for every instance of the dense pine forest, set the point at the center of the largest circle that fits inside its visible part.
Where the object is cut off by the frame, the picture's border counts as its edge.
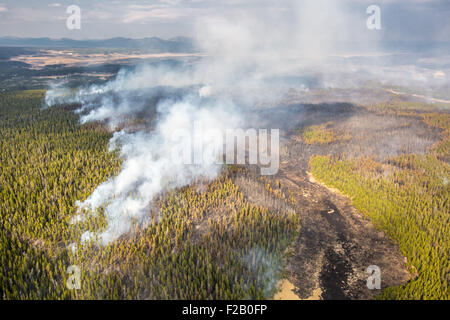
(206, 241)
(202, 243)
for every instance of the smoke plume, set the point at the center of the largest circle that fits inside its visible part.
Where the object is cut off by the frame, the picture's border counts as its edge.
(247, 57)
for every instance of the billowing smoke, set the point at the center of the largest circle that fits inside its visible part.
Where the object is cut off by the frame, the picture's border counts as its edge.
(186, 121)
(244, 55)
(242, 52)
(153, 162)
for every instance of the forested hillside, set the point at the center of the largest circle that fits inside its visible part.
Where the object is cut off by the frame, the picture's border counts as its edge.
(201, 243)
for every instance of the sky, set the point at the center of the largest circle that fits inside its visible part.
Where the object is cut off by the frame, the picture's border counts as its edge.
(402, 20)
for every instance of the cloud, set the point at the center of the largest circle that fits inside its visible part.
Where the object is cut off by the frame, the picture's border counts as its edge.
(401, 20)
(143, 14)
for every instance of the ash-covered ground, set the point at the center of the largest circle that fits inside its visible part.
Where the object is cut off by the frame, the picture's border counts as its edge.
(336, 243)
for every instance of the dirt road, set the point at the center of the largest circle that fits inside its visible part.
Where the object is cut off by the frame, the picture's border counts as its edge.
(336, 245)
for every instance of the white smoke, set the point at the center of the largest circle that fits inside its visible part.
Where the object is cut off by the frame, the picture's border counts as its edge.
(242, 51)
(150, 165)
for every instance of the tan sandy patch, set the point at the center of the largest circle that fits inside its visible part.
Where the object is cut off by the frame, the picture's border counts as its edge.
(52, 57)
(287, 292)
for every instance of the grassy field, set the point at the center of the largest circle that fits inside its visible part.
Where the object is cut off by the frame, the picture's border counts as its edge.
(322, 134)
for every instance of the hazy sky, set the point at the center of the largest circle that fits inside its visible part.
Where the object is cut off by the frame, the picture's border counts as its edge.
(401, 19)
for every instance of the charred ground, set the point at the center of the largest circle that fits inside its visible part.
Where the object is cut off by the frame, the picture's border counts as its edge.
(235, 237)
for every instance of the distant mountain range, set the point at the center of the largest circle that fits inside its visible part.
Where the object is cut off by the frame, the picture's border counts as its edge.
(186, 45)
(178, 44)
